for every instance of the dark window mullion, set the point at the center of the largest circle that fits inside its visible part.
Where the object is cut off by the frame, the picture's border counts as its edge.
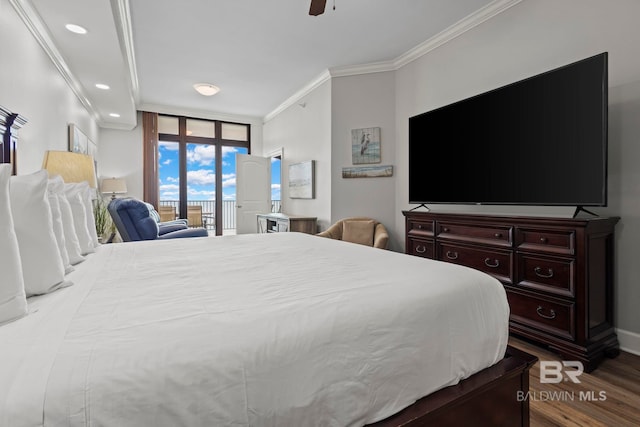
(182, 170)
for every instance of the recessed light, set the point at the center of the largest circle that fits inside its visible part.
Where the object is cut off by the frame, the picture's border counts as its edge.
(206, 89)
(114, 115)
(102, 86)
(76, 29)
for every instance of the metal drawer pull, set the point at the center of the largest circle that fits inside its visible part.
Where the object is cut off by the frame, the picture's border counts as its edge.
(498, 235)
(452, 255)
(421, 249)
(543, 239)
(487, 262)
(539, 273)
(419, 226)
(552, 314)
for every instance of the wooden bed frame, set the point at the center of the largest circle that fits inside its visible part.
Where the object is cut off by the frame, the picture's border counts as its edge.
(9, 125)
(488, 398)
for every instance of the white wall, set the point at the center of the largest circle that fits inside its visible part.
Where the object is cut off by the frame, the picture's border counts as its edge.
(31, 86)
(305, 134)
(114, 163)
(360, 102)
(529, 38)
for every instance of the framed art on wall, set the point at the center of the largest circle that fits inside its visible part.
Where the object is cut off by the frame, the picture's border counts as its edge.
(301, 180)
(78, 141)
(367, 171)
(365, 145)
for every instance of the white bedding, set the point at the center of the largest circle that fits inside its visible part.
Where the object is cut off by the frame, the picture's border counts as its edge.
(281, 329)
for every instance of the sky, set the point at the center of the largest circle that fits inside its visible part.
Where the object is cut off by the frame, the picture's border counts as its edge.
(201, 172)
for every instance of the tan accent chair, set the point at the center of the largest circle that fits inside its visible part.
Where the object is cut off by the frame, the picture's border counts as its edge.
(379, 239)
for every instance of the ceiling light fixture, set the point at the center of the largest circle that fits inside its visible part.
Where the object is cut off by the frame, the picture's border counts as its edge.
(76, 29)
(206, 89)
(102, 86)
(114, 115)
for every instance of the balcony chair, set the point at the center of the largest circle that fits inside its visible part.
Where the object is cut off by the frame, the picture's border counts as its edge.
(135, 222)
(165, 227)
(362, 230)
(167, 213)
(194, 215)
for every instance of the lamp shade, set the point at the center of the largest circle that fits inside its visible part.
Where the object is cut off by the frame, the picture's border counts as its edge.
(113, 186)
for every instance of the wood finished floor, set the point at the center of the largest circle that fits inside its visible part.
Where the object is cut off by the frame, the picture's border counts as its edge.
(618, 378)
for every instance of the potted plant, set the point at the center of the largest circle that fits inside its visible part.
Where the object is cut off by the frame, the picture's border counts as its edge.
(102, 218)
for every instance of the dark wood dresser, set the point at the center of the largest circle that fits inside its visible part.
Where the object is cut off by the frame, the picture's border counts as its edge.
(558, 273)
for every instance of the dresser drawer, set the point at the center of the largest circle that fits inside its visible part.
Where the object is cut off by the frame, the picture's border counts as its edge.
(422, 248)
(496, 262)
(419, 228)
(546, 314)
(544, 240)
(493, 235)
(553, 275)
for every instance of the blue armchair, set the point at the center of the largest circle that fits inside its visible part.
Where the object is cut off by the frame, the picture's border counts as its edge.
(135, 222)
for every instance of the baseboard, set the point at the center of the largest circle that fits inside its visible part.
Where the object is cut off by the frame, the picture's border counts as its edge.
(629, 341)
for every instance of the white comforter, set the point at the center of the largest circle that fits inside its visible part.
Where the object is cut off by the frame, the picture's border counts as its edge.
(281, 329)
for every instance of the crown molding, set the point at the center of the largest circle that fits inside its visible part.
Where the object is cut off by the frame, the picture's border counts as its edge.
(200, 114)
(353, 70)
(34, 23)
(462, 26)
(122, 18)
(293, 99)
(478, 17)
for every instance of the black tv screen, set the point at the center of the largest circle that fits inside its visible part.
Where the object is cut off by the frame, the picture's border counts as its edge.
(539, 141)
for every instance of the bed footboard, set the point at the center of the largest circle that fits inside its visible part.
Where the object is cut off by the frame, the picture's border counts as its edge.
(488, 398)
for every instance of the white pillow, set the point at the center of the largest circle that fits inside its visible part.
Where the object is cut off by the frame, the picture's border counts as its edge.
(58, 230)
(42, 267)
(75, 196)
(91, 220)
(13, 302)
(72, 245)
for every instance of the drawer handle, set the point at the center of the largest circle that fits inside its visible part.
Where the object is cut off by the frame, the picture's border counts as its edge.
(487, 262)
(551, 315)
(498, 235)
(419, 227)
(539, 273)
(421, 249)
(445, 230)
(452, 255)
(543, 239)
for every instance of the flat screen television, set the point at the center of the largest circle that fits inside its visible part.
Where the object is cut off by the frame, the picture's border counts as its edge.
(538, 141)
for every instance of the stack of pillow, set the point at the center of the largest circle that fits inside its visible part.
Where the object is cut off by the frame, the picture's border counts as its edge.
(46, 227)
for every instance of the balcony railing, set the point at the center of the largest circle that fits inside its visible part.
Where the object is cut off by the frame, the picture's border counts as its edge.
(209, 209)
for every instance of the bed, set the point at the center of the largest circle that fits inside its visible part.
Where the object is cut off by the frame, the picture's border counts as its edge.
(270, 329)
(282, 329)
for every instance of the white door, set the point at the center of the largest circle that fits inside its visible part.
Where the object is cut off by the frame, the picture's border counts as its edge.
(253, 191)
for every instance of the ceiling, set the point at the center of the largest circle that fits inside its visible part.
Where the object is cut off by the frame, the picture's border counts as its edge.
(260, 53)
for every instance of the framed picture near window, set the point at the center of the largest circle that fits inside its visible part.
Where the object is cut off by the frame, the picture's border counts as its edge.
(365, 146)
(302, 180)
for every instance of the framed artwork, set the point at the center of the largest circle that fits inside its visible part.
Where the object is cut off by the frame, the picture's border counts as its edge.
(301, 180)
(365, 146)
(367, 172)
(78, 141)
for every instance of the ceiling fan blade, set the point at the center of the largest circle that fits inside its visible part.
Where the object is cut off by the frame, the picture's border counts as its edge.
(317, 7)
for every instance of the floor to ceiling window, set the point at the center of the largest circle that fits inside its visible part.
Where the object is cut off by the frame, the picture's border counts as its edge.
(196, 170)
